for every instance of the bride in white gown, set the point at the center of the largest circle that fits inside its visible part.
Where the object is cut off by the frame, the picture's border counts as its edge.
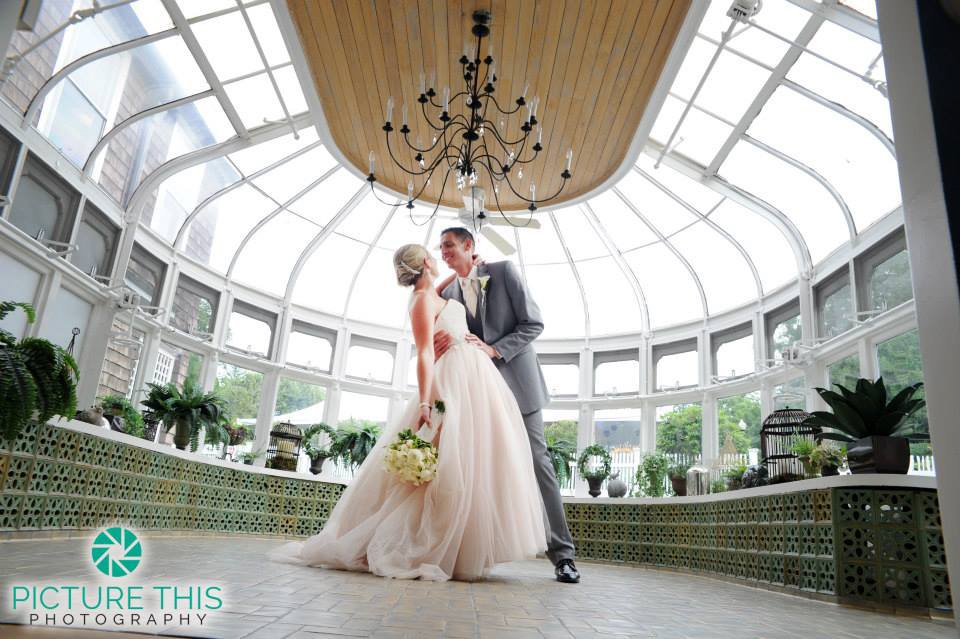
(483, 507)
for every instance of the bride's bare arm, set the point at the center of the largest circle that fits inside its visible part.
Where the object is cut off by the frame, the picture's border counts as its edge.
(421, 320)
(447, 281)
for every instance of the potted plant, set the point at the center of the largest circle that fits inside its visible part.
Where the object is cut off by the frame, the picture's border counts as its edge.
(118, 406)
(803, 448)
(250, 456)
(316, 452)
(718, 486)
(652, 474)
(828, 457)
(188, 410)
(734, 476)
(677, 472)
(38, 379)
(353, 441)
(875, 429)
(592, 470)
(561, 452)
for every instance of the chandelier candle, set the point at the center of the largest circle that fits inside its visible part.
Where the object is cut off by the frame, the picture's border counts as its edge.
(470, 136)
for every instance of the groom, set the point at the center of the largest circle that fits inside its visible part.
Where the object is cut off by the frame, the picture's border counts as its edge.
(503, 321)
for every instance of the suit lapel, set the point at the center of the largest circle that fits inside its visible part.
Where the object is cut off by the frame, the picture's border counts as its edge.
(458, 292)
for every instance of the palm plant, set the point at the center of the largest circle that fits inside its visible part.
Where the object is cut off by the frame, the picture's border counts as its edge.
(866, 412)
(353, 443)
(36, 375)
(189, 410)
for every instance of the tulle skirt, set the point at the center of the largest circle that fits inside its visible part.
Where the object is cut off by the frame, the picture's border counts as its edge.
(483, 507)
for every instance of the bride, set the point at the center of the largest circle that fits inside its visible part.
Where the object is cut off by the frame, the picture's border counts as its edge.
(483, 507)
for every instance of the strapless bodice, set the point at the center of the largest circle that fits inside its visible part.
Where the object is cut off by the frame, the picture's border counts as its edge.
(452, 318)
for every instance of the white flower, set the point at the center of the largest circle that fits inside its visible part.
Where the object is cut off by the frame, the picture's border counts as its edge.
(483, 282)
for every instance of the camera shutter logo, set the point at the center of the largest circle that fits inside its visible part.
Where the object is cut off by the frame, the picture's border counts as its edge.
(116, 551)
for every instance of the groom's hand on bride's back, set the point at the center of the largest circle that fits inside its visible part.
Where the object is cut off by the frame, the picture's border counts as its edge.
(441, 343)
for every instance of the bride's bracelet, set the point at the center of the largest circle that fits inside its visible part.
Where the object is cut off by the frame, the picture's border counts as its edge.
(427, 404)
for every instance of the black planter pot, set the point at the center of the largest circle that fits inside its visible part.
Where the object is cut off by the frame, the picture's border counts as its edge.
(889, 455)
(679, 486)
(316, 465)
(596, 483)
(829, 471)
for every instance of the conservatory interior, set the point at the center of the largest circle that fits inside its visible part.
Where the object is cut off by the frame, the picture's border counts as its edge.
(202, 336)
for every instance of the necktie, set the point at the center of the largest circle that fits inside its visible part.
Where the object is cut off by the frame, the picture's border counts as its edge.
(468, 285)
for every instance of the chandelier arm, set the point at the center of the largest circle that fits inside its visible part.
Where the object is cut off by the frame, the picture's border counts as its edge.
(398, 164)
(496, 198)
(440, 106)
(543, 199)
(428, 149)
(374, 191)
(490, 96)
(504, 143)
(426, 117)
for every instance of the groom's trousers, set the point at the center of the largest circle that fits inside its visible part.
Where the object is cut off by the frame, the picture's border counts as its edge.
(559, 542)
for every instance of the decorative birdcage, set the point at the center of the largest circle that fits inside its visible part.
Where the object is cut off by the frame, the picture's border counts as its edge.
(284, 449)
(777, 435)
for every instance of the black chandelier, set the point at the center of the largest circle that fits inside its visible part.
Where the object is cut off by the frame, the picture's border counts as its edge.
(465, 145)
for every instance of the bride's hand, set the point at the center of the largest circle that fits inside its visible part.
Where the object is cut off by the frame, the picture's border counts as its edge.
(477, 260)
(424, 418)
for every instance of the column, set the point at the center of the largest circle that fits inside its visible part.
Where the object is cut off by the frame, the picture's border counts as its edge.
(921, 44)
(268, 398)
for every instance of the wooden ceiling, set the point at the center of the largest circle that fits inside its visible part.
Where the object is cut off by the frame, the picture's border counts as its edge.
(593, 63)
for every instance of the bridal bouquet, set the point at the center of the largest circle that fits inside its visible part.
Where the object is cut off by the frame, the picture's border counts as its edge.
(411, 459)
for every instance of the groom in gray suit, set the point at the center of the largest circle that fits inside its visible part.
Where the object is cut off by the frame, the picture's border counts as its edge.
(504, 320)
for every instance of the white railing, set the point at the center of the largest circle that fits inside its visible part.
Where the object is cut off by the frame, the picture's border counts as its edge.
(922, 465)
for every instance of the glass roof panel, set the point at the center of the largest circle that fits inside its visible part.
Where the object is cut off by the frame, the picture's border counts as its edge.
(581, 239)
(402, 230)
(764, 243)
(843, 88)
(365, 221)
(292, 92)
(325, 200)
(696, 194)
(613, 307)
(255, 100)
(857, 164)
(326, 275)
(268, 34)
(105, 29)
(230, 217)
(261, 155)
(731, 86)
(555, 291)
(798, 196)
(845, 47)
(726, 277)
(269, 256)
(178, 195)
(620, 223)
(194, 8)
(228, 45)
(288, 179)
(671, 293)
(699, 137)
(376, 296)
(866, 7)
(656, 207)
(541, 246)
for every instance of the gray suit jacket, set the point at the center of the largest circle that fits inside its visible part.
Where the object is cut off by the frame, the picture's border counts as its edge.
(511, 321)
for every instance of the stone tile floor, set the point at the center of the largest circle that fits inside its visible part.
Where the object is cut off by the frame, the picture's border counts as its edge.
(265, 600)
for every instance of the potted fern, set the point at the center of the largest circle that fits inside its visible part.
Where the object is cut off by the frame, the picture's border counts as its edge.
(353, 442)
(677, 472)
(315, 451)
(188, 410)
(561, 452)
(131, 422)
(38, 379)
(875, 429)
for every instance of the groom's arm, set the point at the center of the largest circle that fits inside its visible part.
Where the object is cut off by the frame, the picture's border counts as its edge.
(529, 322)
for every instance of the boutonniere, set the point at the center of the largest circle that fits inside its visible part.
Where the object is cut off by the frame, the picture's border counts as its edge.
(483, 282)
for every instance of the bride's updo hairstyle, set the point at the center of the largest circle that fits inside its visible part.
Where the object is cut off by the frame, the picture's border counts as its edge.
(408, 263)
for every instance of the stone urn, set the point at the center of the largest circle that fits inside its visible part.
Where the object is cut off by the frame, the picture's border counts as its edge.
(316, 464)
(879, 454)
(616, 487)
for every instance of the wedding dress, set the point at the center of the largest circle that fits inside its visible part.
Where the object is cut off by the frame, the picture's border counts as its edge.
(483, 507)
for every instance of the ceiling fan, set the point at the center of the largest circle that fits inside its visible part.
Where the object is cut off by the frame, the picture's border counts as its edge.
(474, 216)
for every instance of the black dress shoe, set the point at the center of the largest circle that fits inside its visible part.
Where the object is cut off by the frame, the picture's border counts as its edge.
(567, 572)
